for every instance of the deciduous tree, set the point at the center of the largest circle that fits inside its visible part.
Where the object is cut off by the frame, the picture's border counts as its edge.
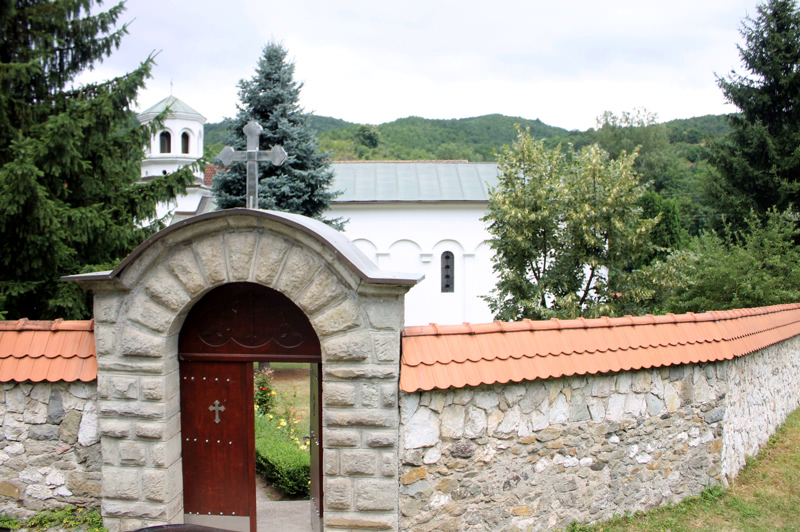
(566, 229)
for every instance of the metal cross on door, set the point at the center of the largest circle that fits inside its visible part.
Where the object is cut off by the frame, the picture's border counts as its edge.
(217, 441)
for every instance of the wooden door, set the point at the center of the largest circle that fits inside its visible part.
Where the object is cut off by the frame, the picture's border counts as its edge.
(218, 444)
(315, 447)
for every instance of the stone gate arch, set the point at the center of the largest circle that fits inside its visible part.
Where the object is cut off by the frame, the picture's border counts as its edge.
(355, 309)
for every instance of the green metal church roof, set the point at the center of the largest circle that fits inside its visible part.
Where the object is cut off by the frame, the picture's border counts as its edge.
(413, 181)
(174, 104)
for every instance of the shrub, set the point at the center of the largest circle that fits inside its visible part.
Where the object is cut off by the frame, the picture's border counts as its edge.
(264, 395)
(281, 457)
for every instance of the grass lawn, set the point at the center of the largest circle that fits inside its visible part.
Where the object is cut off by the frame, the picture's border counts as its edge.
(765, 497)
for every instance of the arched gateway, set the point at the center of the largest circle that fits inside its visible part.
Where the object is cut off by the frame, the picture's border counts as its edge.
(202, 300)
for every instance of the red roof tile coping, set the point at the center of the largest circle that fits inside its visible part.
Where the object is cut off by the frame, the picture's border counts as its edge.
(52, 351)
(443, 356)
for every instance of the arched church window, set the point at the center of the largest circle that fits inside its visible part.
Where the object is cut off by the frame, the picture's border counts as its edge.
(448, 278)
(166, 142)
(184, 142)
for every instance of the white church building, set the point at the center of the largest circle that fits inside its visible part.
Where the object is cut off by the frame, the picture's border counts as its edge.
(406, 216)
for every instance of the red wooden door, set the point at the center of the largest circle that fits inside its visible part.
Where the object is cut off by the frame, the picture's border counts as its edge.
(218, 444)
(315, 428)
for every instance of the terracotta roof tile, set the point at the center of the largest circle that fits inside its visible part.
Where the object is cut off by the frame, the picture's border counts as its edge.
(47, 351)
(444, 356)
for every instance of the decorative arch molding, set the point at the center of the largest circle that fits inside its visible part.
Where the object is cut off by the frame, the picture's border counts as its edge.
(355, 311)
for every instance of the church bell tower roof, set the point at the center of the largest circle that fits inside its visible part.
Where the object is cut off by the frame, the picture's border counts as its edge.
(177, 108)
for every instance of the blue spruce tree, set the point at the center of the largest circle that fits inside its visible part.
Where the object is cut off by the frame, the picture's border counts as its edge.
(301, 184)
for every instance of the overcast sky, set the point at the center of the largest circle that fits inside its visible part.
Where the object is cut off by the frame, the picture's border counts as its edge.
(369, 61)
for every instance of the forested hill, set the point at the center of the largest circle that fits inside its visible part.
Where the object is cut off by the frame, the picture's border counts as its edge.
(474, 139)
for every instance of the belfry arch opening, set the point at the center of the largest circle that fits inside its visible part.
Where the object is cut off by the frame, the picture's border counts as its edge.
(233, 327)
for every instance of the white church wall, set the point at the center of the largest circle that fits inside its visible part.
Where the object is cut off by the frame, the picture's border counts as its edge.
(406, 236)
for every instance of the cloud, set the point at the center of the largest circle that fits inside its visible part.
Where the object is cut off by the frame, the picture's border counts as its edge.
(373, 62)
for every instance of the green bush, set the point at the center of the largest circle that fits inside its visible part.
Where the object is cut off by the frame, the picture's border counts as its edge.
(281, 460)
(69, 517)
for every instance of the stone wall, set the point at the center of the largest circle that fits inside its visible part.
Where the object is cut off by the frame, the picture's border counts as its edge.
(537, 455)
(49, 447)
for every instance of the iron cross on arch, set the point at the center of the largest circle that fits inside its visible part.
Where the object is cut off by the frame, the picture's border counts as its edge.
(276, 155)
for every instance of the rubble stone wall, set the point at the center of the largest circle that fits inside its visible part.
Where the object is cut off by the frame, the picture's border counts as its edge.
(541, 454)
(49, 447)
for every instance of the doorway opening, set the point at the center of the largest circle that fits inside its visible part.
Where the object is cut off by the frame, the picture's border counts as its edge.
(225, 336)
(284, 397)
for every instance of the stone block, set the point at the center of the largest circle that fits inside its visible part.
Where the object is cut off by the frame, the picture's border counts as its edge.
(241, 251)
(340, 438)
(210, 253)
(115, 429)
(338, 394)
(356, 521)
(132, 409)
(330, 462)
(452, 421)
(105, 337)
(83, 390)
(389, 395)
(41, 392)
(358, 462)
(88, 431)
(165, 289)
(122, 387)
(43, 432)
(269, 258)
(35, 412)
(15, 400)
(131, 453)
(474, 423)
(70, 425)
(422, 430)
(106, 306)
(298, 270)
(384, 312)
(14, 429)
(146, 312)
(151, 431)
(360, 417)
(343, 317)
(486, 399)
(184, 265)
(338, 494)
(12, 490)
(380, 439)
(369, 396)
(641, 381)
(152, 388)
(121, 483)
(387, 346)
(654, 404)
(140, 510)
(376, 495)
(323, 291)
(154, 484)
(349, 348)
(137, 342)
(361, 371)
(389, 464)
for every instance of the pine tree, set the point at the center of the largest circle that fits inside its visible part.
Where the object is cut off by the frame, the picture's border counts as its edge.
(301, 184)
(759, 162)
(69, 157)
